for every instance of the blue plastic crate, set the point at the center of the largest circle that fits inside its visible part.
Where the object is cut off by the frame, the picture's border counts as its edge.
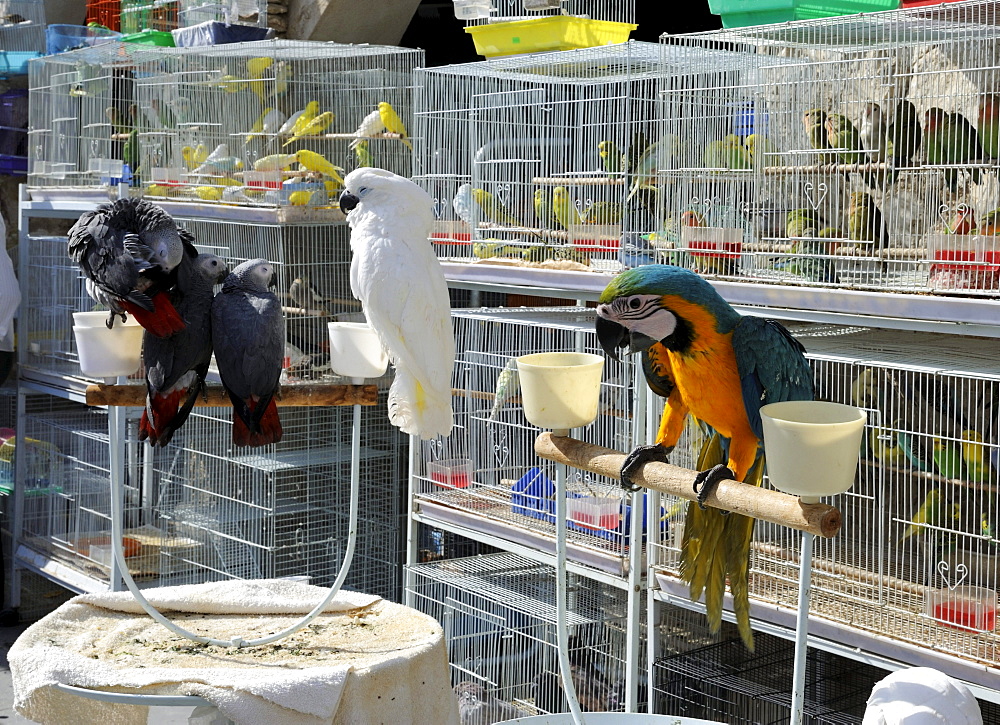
(15, 62)
(60, 38)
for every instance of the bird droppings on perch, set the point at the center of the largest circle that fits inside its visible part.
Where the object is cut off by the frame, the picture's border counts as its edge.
(760, 503)
(215, 395)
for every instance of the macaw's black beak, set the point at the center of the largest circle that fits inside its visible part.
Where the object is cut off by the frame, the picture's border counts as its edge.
(348, 201)
(611, 335)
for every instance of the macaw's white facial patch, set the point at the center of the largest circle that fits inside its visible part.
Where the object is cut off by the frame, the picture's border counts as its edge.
(641, 313)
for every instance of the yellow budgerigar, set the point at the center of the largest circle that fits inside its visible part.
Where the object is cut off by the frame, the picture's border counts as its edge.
(562, 206)
(257, 66)
(393, 123)
(300, 197)
(493, 209)
(314, 128)
(208, 193)
(298, 120)
(319, 163)
(194, 157)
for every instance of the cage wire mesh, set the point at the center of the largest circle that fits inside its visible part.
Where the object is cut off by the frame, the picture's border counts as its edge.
(241, 12)
(106, 13)
(22, 34)
(858, 151)
(618, 11)
(498, 613)
(724, 681)
(209, 126)
(547, 156)
(486, 473)
(917, 559)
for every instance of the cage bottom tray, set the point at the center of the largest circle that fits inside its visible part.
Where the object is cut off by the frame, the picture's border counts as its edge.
(260, 214)
(498, 520)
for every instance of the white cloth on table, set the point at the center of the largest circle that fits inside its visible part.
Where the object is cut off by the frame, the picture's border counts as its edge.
(106, 641)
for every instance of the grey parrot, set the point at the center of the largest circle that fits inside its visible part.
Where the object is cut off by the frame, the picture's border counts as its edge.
(176, 365)
(248, 334)
(127, 251)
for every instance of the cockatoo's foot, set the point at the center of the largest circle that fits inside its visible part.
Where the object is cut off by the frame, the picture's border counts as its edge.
(705, 481)
(637, 458)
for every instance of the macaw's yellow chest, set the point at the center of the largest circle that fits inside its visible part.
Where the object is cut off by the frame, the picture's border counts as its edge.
(709, 385)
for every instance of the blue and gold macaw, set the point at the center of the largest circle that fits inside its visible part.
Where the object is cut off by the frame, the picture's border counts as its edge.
(707, 360)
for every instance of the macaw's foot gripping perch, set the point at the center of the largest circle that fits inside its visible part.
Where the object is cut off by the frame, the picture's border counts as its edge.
(638, 458)
(705, 481)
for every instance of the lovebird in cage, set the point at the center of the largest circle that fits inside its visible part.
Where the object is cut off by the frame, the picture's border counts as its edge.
(721, 367)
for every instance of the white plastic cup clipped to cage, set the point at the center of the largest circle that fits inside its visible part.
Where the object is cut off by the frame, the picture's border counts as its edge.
(103, 352)
(560, 390)
(812, 447)
(472, 9)
(355, 351)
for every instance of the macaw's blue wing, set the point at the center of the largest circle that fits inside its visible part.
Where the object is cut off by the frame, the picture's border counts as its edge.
(656, 368)
(771, 365)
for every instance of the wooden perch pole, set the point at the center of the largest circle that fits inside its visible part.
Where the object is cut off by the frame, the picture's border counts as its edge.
(760, 503)
(312, 394)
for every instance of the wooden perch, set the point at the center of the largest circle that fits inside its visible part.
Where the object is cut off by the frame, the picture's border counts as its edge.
(578, 181)
(760, 503)
(307, 394)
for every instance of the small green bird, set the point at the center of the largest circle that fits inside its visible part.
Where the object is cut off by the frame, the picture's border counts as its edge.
(543, 210)
(603, 212)
(864, 221)
(974, 455)
(492, 209)
(612, 160)
(948, 460)
(930, 513)
(564, 209)
(761, 151)
(814, 122)
(949, 138)
(797, 221)
(363, 154)
(727, 153)
(844, 136)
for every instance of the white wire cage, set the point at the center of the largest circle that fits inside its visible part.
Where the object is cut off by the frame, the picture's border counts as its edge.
(209, 126)
(916, 560)
(486, 475)
(241, 12)
(22, 34)
(545, 157)
(872, 163)
(498, 614)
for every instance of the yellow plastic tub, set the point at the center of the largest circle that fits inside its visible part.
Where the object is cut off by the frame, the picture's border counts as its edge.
(555, 32)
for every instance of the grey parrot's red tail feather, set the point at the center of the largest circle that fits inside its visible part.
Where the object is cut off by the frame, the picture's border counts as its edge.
(262, 426)
(164, 414)
(162, 321)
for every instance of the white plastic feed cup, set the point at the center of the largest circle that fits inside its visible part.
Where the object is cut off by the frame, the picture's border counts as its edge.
(355, 351)
(812, 447)
(108, 353)
(560, 390)
(98, 319)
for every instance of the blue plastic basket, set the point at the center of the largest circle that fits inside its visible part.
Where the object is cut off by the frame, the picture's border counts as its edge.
(60, 38)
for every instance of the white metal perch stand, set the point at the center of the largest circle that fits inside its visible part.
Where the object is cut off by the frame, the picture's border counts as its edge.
(355, 353)
(812, 450)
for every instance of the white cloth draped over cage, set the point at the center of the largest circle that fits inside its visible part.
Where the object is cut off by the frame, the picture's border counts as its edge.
(363, 660)
(10, 293)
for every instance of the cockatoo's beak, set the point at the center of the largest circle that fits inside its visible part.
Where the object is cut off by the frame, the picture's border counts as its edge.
(348, 201)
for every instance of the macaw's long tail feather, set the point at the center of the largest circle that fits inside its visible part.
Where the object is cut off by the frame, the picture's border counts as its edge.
(163, 321)
(157, 422)
(258, 430)
(417, 409)
(716, 548)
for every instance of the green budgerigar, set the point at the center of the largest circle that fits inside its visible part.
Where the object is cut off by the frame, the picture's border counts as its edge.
(492, 209)
(761, 150)
(949, 139)
(934, 511)
(948, 459)
(508, 385)
(603, 212)
(564, 208)
(974, 456)
(543, 210)
(612, 160)
(726, 153)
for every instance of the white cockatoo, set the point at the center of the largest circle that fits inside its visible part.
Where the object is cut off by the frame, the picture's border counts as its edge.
(921, 696)
(404, 295)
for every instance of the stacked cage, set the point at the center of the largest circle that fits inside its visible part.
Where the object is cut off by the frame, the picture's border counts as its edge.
(486, 476)
(266, 124)
(864, 149)
(498, 615)
(916, 562)
(548, 157)
(242, 12)
(22, 35)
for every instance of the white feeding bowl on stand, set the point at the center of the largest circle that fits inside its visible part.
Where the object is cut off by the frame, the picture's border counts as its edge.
(812, 447)
(107, 353)
(559, 390)
(355, 351)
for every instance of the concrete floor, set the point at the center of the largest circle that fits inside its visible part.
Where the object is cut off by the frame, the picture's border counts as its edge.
(157, 715)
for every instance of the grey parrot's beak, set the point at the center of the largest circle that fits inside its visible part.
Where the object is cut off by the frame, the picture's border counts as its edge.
(348, 201)
(611, 335)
